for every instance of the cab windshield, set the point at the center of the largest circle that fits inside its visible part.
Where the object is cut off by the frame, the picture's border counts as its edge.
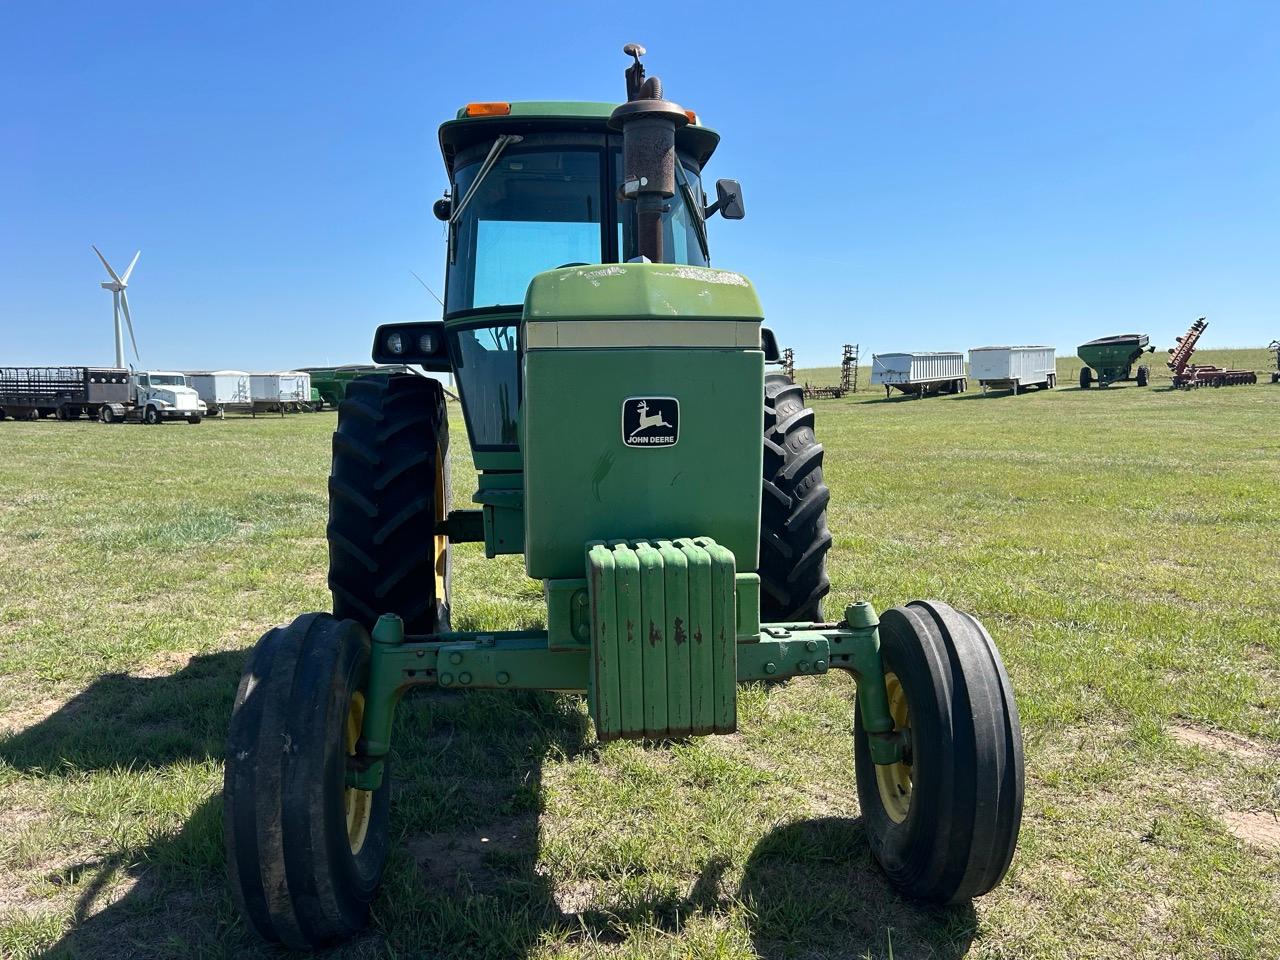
(166, 380)
(538, 208)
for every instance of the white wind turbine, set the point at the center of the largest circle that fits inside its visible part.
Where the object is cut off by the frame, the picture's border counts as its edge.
(117, 285)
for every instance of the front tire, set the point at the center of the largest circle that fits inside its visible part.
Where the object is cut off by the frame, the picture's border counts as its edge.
(151, 416)
(305, 853)
(943, 823)
(388, 492)
(794, 539)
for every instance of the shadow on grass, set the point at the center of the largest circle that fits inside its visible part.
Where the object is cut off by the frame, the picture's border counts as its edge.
(463, 879)
(813, 889)
(122, 720)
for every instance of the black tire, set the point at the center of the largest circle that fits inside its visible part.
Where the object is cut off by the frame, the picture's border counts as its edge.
(963, 803)
(195, 419)
(106, 415)
(794, 538)
(151, 416)
(296, 872)
(1143, 375)
(388, 488)
(1086, 378)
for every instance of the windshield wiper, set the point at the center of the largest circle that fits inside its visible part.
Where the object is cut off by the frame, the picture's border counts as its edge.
(494, 152)
(695, 210)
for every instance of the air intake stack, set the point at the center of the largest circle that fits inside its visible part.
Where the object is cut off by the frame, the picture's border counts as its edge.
(648, 124)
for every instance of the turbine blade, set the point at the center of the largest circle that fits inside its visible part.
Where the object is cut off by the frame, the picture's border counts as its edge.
(124, 302)
(107, 265)
(132, 263)
(428, 289)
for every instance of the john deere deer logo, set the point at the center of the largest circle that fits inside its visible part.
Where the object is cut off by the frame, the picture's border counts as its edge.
(650, 421)
(647, 421)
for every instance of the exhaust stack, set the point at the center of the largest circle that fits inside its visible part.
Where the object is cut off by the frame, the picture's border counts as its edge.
(648, 124)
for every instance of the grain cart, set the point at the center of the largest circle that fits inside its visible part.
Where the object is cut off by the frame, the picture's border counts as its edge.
(27, 393)
(668, 494)
(330, 383)
(1111, 359)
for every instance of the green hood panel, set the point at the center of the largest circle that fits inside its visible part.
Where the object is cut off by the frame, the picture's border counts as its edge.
(641, 291)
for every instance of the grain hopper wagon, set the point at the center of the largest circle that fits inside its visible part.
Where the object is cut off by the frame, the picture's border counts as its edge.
(667, 495)
(330, 383)
(1110, 360)
(27, 393)
(1013, 368)
(222, 390)
(284, 391)
(919, 374)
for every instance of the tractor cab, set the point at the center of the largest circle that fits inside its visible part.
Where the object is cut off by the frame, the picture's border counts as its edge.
(534, 186)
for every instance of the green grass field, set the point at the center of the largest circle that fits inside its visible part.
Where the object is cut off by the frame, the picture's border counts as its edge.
(1122, 548)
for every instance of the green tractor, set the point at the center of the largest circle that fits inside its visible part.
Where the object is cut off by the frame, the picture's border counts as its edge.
(666, 492)
(1112, 359)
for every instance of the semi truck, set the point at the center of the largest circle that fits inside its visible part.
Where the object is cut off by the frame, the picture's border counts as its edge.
(108, 394)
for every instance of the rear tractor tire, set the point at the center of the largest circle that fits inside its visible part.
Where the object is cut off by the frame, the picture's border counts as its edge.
(305, 852)
(388, 492)
(794, 539)
(943, 822)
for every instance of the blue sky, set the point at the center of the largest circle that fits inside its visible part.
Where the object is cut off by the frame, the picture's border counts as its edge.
(917, 176)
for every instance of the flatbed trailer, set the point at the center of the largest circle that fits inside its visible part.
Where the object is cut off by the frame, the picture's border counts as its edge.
(67, 392)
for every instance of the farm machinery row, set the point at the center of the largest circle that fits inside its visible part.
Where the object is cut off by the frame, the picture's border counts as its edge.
(666, 491)
(1187, 375)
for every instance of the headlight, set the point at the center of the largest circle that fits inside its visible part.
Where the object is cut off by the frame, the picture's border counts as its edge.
(427, 344)
(395, 343)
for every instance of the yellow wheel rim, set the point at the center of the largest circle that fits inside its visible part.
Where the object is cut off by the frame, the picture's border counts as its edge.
(358, 803)
(441, 541)
(894, 779)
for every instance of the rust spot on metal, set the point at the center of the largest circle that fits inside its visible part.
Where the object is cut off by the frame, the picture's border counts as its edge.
(655, 635)
(680, 634)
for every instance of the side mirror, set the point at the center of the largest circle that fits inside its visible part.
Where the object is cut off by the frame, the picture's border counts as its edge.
(442, 208)
(728, 201)
(420, 343)
(769, 344)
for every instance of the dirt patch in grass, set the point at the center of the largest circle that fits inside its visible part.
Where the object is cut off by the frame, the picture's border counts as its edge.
(474, 857)
(1240, 747)
(1256, 829)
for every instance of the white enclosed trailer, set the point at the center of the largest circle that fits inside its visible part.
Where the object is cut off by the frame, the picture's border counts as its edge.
(281, 391)
(1014, 368)
(919, 373)
(222, 389)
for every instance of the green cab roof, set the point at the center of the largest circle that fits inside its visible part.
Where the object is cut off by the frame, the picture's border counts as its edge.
(564, 116)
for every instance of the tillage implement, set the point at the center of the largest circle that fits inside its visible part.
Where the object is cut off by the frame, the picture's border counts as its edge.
(666, 491)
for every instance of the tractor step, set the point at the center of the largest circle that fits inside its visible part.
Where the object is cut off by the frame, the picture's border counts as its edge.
(663, 638)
